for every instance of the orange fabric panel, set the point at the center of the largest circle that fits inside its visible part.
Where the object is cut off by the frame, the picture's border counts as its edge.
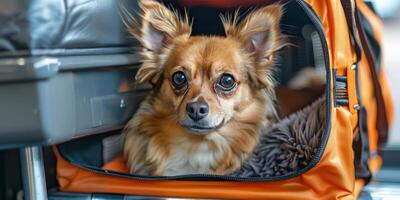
(377, 26)
(117, 164)
(368, 97)
(369, 101)
(367, 92)
(342, 54)
(332, 178)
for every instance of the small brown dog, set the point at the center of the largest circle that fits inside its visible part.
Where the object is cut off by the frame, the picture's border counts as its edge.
(212, 96)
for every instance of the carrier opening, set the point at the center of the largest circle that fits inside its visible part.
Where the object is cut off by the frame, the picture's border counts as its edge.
(302, 78)
(295, 142)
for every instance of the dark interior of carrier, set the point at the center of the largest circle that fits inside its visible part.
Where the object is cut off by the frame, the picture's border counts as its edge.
(308, 50)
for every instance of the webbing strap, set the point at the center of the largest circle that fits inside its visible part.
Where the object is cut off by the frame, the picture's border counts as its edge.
(353, 20)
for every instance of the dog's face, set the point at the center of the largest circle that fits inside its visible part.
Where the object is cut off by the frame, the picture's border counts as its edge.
(202, 83)
(206, 81)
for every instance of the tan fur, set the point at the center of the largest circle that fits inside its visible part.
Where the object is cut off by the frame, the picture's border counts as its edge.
(156, 143)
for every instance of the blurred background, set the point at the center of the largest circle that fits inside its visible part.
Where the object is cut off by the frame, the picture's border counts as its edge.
(389, 10)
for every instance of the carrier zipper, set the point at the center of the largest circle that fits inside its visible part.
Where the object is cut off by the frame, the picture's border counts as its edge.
(210, 177)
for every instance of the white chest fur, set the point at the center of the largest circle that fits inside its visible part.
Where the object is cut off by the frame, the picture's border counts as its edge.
(189, 158)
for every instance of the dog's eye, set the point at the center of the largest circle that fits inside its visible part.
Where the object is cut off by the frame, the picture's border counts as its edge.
(179, 79)
(226, 82)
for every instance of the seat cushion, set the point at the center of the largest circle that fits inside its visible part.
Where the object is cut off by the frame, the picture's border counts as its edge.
(63, 24)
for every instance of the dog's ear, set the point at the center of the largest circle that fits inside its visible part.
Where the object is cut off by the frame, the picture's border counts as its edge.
(260, 36)
(158, 29)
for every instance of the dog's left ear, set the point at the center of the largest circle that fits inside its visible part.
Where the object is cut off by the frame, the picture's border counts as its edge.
(158, 30)
(260, 36)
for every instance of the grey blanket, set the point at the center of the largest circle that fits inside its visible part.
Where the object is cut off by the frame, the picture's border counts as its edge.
(289, 145)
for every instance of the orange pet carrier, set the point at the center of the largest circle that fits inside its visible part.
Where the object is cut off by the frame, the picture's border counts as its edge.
(359, 113)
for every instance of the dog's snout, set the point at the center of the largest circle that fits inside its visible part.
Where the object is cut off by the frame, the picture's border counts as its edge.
(197, 110)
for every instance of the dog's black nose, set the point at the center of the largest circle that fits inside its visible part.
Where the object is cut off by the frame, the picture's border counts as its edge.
(197, 110)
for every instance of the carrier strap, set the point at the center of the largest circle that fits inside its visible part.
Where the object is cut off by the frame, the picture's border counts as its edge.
(353, 20)
(349, 8)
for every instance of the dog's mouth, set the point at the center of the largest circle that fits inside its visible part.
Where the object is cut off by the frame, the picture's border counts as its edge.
(198, 129)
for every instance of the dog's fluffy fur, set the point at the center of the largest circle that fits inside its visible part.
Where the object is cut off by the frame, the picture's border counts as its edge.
(156, 142)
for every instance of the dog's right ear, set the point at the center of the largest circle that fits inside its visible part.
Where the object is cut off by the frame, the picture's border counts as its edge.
(158, 30)
(261, 38)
